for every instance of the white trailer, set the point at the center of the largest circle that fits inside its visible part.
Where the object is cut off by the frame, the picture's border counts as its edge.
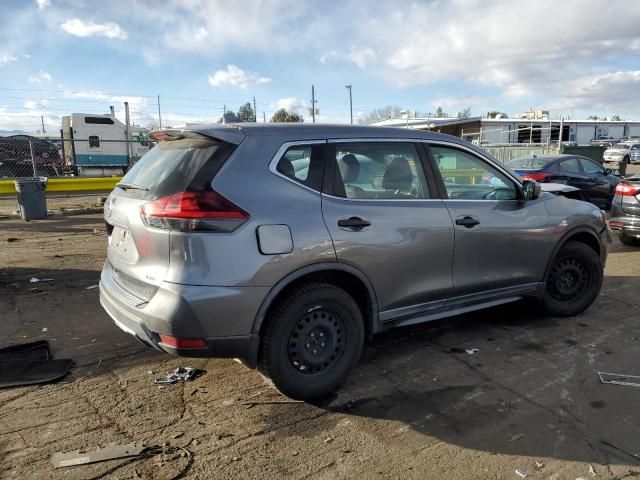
(98, 144)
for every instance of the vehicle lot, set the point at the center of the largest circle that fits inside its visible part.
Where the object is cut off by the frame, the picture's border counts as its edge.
(417, 406)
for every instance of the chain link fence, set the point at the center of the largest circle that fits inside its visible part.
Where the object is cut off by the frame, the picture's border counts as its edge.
(506, 152)
(28, 156)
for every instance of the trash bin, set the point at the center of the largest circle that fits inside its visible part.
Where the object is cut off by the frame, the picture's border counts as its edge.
(31, 197)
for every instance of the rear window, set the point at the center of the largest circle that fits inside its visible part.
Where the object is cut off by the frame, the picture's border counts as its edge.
(527, 163)
(174, 166)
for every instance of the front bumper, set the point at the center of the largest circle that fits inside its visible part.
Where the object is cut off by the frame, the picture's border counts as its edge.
(222, 316)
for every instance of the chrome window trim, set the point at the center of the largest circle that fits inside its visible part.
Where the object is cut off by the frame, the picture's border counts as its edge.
(384, 199)
(281, 151)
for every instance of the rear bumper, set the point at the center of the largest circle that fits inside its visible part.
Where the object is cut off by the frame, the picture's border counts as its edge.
(222, 316)
(626, 225)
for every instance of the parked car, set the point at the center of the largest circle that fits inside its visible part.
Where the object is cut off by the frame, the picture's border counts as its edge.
(589, 176)
(16, 156)
(288, 245)
(619, 156)
(625, 211)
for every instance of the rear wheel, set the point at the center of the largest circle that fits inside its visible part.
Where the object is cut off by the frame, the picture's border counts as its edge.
(573, 282)
(311, 341)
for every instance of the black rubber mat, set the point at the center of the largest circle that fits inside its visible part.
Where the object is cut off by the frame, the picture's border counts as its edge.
(29, 364)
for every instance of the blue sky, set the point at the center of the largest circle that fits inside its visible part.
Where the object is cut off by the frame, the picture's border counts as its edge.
(64, 56)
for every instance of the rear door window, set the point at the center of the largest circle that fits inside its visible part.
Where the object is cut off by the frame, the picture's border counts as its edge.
(591, 167)
(570, 165)
(379, 170)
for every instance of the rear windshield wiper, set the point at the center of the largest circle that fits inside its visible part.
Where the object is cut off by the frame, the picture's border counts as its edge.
(131, 186)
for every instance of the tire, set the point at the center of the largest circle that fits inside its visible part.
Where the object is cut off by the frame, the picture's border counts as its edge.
(292, 352)
(629, 241)
(573, 281)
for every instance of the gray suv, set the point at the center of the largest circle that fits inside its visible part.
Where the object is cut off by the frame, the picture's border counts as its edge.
(287, 245)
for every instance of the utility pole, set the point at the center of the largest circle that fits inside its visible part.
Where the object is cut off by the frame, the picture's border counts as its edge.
(313, 104)
(159, 116)
(224, 113)
(127, 130)
(255, 113)
(348, 87)
(42, 120)
(264, 117)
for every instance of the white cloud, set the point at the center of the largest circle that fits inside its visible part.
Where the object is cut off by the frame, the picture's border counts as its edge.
(329, 55)
(31, 104)
(6, 58)
(40, 77)
(235, 76)
(84, 28)
(362, 57)
(475, 102)
(42, 4)
(610, 92)
(291, 104)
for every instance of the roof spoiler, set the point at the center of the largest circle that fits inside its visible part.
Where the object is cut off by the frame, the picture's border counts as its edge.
(229, 134)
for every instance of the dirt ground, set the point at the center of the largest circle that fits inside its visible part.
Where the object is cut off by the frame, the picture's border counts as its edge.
(417, 406)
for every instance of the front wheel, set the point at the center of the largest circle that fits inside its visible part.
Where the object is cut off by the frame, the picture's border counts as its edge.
(573, 281)
(311, 341)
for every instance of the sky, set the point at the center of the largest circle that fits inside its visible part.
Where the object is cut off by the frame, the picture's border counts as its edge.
(571, 57)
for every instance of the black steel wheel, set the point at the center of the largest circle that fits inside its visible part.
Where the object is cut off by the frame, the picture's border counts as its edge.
(312, 338)
(573, 280)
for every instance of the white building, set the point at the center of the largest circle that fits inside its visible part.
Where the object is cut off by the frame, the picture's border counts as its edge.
(520, 130)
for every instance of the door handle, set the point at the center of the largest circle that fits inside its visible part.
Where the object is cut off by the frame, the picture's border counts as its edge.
(467, 221)
(353, 223)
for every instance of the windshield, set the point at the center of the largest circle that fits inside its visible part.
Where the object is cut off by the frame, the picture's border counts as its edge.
(527, 163)
(621, 146)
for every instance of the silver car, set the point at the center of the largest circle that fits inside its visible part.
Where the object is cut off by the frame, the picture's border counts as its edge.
(288, 245)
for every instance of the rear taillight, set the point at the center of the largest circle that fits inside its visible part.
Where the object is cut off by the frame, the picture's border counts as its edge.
(627, 190)
(182, 342)
(539, 177)
(193, 211)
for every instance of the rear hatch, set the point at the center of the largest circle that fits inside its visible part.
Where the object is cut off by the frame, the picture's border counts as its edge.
(169, 188)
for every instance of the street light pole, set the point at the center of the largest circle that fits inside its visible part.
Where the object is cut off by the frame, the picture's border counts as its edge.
(348, 87)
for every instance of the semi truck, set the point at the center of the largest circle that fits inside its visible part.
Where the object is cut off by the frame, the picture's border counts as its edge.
(99, 145)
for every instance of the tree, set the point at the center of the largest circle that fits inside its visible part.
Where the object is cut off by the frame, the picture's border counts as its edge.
(246, 113)
(593, 117)
(229, 117)
(496, 114)
(616, 118)
(380, 114)
(282, 116)
(466, 113)
(440, 113)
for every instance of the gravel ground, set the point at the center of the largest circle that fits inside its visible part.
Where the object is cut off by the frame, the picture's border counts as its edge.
(417, 406)
(57, 201)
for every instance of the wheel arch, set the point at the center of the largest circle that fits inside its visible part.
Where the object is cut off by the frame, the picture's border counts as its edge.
(341, 275)
(583, 235)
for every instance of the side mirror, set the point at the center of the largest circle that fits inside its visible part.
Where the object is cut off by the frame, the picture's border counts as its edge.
(530, 190)
(608, 171)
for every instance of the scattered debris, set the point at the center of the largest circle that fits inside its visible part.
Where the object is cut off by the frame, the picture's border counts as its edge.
(251, 404)
(539, 465)
(592, 471)
(91, 287)
(177, 435)
(328, 440)
(44, 329)
(180, 374)
(132, 451)
(294, 454)
(516, 437)
(521, 473)
(29, 364)
(36, 280)
(81, 457)
(618, 379)
(473, 350)
(236, 459)
(13, 239)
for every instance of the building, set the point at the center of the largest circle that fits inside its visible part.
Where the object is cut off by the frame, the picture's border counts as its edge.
(520, 130)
